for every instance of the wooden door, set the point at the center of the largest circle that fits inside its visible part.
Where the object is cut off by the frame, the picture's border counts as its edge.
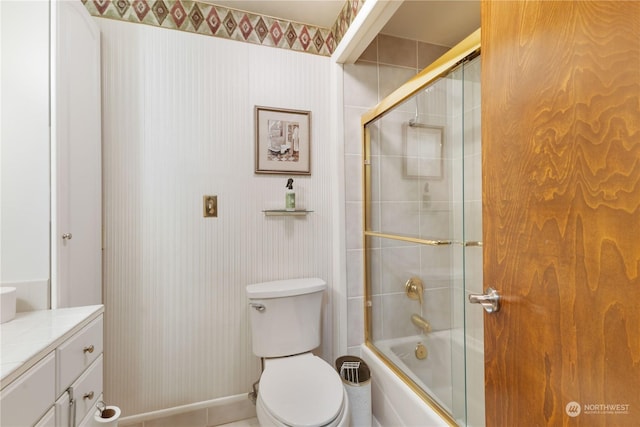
(561, 196)
(77, 136)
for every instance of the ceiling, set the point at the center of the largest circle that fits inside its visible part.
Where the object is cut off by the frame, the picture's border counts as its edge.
(441, 22)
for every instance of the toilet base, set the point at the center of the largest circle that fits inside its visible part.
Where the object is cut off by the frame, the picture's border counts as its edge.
(267, 420)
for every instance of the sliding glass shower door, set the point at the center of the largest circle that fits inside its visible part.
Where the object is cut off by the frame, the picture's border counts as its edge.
(423, 246)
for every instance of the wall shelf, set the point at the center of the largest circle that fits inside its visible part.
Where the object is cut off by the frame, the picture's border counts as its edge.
(283, 212)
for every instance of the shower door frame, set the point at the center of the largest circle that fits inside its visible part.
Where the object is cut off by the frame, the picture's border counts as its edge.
(469, 47)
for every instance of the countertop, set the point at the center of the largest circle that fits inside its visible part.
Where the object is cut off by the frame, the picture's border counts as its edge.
(33, 334)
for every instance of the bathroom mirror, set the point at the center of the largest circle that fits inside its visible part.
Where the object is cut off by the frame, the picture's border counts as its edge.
(25, 154)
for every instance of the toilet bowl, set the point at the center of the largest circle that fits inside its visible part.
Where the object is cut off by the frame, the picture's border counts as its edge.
(301, 390)
(296, 387)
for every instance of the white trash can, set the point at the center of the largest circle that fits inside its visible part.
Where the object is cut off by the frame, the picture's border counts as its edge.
(356, 377)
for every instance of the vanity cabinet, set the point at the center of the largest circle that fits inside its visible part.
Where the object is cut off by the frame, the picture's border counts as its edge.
(28, 398)
(49, 419)
(67, 364)
(87, 391)
(77, 354)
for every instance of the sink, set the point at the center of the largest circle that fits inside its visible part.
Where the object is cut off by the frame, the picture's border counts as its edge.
(7, 303)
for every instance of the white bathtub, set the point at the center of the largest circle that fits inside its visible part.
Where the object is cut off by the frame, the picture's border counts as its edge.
(432, 374)
(440, 375)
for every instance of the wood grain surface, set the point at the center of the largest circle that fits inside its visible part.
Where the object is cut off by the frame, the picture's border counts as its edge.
(561, 196)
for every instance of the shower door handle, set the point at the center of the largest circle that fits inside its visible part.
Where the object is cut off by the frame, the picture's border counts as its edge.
(490, 300)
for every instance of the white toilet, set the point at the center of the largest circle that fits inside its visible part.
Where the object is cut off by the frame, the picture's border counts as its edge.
(296, 388)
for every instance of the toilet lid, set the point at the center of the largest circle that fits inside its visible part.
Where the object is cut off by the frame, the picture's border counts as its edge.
(301, 390)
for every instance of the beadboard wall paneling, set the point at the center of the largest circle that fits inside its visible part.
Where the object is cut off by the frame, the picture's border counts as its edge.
(178, 124)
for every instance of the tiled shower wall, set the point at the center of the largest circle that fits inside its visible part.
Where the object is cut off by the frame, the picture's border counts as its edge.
(448, 208)
(384, 66)
(416, 203)
(178, 124)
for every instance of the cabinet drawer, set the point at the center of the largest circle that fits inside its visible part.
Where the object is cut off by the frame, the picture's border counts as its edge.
(29, 397)
(87, 390)
(75, 355)
(89, 420)
(49, 419)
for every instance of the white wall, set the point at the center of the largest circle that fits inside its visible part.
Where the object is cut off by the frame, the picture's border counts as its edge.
(178, 124)
(24, 148)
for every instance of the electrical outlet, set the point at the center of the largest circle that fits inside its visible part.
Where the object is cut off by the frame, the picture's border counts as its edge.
(210, 206)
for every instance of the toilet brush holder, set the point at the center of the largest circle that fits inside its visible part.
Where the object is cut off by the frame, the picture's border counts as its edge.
(106, 416)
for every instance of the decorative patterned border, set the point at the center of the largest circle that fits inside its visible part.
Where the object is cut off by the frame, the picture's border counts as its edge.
(198, 17)
(345, 18)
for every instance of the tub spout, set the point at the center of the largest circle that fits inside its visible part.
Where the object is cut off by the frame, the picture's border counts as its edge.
(421, 323)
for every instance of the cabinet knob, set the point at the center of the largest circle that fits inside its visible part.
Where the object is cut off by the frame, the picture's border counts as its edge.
(88, 395)
(88, 349)
(67, 236)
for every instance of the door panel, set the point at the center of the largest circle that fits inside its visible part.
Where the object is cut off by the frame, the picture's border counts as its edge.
(561, 211)
(77, 276)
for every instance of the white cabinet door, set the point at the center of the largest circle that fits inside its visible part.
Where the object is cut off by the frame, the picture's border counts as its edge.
(76, 144)
(28, 398)
(48, 420)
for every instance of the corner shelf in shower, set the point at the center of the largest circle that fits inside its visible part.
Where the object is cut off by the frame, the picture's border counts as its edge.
(284, 212)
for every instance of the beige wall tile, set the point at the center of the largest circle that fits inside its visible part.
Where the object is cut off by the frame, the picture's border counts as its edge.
(427, 53)
(397, 51)
(353, 178)
(353, 130)
(371, 52)
(391, 78)
(361, 85)
(355, 321)
(355, 268)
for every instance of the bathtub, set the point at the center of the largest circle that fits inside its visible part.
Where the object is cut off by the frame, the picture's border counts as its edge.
(441, 375)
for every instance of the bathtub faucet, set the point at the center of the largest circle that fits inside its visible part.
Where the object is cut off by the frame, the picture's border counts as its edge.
(421, 323)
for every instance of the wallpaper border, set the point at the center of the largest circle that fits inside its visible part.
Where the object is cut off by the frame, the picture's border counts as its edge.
(196, 16)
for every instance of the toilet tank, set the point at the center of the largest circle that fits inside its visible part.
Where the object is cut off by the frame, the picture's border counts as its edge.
(285, 316)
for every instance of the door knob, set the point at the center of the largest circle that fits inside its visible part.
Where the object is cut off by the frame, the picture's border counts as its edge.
(66, 236)
(490, 300)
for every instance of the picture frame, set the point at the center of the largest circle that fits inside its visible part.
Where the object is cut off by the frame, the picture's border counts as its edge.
(423, 151)
(283, 141)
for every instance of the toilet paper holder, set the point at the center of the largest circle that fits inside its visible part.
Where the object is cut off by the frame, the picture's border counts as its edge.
(105, 411)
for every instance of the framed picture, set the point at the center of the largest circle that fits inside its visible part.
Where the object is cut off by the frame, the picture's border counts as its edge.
(283, 141)
(422, 151)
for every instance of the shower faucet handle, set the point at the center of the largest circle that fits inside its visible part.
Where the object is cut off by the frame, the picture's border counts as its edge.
(490, 300)
(414, 289)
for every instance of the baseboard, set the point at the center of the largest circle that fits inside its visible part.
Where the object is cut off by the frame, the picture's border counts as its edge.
(205, 414)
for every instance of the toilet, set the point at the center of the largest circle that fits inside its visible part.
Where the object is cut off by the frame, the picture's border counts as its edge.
(296, 387)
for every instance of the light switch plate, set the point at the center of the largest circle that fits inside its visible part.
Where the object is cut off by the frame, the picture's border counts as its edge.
(210, 206)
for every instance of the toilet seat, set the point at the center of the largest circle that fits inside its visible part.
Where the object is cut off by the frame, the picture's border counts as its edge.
(302, 390)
